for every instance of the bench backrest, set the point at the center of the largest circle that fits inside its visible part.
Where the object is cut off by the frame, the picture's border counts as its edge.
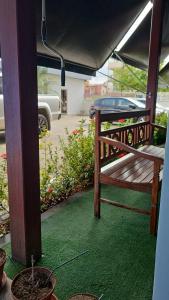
(134, 135)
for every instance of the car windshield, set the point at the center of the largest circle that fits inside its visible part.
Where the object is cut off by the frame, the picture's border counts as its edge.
(157, 104)
(142, 101)
(137, 102)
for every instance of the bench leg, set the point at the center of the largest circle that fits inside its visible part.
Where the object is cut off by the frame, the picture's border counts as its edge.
(154, 202)
(97, 199)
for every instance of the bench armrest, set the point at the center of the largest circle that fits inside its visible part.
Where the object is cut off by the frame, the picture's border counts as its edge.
(129, 149)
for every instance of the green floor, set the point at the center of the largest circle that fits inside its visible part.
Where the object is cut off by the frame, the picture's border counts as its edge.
(120, 261)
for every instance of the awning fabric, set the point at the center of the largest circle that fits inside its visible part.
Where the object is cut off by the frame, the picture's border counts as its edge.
(135, 51)
(85, 32)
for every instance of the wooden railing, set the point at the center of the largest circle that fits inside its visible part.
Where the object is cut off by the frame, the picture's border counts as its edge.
(133, 135)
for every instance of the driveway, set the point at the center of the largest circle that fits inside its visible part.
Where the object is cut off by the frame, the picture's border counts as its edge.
(59, 126)
(58, 129)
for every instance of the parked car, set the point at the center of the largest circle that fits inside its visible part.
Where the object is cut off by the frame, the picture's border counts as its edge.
(49, 108)
(121, 104)
(159, 107)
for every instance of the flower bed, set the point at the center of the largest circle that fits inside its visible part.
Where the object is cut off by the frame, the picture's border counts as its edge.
(4, 211)
(70, 169)
(63, 171)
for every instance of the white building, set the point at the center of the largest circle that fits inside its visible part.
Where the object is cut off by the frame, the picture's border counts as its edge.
(75, 89)
(74, 85)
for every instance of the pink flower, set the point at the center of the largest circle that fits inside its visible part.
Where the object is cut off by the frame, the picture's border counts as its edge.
(50, 190)
(121, 120)
(76, 131)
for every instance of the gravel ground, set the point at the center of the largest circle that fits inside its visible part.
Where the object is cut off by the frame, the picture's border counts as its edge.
(69, 122)
(58, 129)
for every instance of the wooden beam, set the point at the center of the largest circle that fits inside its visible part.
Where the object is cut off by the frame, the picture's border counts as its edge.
(18, 50)
(154, 56)
(117, 204)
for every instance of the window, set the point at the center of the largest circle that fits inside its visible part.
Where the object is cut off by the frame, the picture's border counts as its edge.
(123, 102)
(109, 102)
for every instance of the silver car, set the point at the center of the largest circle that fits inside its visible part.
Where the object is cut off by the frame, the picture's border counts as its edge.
(49, 108)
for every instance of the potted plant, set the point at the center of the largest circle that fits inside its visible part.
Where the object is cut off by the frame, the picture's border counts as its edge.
(34, 283)
(2, 263)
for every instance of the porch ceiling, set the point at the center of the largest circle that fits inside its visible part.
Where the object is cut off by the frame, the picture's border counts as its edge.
(85, 32)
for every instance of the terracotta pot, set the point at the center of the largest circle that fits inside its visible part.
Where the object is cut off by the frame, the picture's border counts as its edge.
(49, 296)
(83, 297)
(2, 263)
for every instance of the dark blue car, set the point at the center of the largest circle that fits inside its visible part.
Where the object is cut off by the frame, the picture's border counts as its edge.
(115, 104)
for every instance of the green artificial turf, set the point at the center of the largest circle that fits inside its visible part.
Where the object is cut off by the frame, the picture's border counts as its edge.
(120, 262)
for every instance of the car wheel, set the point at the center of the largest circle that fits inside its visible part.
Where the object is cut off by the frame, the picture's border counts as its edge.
(43, 123)
(92, 116)
(59, 116)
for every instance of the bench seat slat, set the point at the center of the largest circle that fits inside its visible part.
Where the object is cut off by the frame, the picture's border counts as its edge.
(137, 171)
(132, 169)
(128, 167)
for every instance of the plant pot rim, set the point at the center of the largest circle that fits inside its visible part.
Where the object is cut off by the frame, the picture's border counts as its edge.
(44, 270)
(4, 260)
(84, 294)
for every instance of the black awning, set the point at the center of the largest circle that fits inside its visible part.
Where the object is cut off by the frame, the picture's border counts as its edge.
(135, 51)
(85, 32)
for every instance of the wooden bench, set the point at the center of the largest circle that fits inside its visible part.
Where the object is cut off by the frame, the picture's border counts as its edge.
(139, 169)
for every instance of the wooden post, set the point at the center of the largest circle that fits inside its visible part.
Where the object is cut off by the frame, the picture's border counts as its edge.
(154, 198)
(97, 185)
(18, 50)
(154, 57)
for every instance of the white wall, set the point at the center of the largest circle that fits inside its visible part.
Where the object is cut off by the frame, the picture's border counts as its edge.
(75, 95)
(75, 90)
(161, 280)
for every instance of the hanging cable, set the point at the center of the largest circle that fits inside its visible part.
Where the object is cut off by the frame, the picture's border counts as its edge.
(125, 84)
(47, 46)
(55, 52)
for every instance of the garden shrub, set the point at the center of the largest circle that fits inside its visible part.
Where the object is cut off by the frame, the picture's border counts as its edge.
(63, 171)
(78, 155)
(160, 135)
(3, 184)
(4, 209)
(162, 119)
(70, 171)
